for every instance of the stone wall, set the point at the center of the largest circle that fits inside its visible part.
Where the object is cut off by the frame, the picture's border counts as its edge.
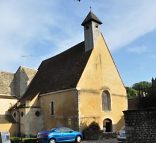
(12, 86)
(30, 121)
(5, 104)
(100, 74)
(23, 77)
(65, 109)
(140, 125)
(6, 83)
(16, 84)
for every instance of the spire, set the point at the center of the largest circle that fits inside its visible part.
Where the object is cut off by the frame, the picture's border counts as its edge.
(91, 17)
(91, 30)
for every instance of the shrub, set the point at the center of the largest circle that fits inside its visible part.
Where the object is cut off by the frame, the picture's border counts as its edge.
(91, 131)
(94, 126)
(23, 140)
(29, 140)
(15, 139)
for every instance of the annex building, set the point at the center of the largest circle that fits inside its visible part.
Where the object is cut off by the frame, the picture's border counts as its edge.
(74, 88)
(12, 88)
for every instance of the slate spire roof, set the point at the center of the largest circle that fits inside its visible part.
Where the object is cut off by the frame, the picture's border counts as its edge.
(91, 17)
(60, 72)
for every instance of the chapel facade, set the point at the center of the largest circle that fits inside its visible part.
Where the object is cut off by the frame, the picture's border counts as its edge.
(74, 88)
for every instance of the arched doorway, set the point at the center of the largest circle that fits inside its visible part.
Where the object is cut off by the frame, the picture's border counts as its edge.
(107, 125)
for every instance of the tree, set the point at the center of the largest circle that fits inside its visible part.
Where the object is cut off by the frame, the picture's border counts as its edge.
(152, 91)
(131, 93)
(146, 91)
(141, 85)
(140, 89)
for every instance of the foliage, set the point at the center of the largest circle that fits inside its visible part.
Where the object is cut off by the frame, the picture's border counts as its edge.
(91, 131)
(131, 93)
(140, 89)
(152, 91)
(150, 100)
(94, 126)
(30, 140)
(146, 94)
(15, 139)
(147, 102)
(141, 85)
(23, 140)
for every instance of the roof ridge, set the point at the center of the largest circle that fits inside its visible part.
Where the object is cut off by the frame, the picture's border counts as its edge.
(63, 51)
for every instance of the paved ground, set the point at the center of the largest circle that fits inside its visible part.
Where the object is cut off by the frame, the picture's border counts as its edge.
(103, 141)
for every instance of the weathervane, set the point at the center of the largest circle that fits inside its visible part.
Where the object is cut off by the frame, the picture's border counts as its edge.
(90, 8)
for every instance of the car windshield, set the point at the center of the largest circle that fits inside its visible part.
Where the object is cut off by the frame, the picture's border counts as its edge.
(52, 129)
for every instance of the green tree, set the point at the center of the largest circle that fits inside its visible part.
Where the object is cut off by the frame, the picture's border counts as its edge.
(131, 93)
(141, 85)
(142, 88)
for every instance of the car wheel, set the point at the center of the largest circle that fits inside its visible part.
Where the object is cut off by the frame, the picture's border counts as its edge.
(78, 139)
(52, 141)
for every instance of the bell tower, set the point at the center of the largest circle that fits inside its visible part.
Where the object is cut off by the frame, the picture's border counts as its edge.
(91, 30)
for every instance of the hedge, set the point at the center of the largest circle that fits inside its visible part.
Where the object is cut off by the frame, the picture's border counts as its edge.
(23, 140)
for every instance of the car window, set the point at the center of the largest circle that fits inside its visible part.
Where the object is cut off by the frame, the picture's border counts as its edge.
(65, 130)
(58, 130)
(52, 129)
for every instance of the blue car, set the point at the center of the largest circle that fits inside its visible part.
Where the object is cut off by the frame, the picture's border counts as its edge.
(61, 134)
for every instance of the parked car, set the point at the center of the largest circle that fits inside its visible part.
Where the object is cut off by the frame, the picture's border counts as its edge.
(61, 134)
(121, 136)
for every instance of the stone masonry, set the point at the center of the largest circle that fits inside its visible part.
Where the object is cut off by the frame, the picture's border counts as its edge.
(6, 83)
(12, 87)
(22, 78)
(140, 125)
(15, 84)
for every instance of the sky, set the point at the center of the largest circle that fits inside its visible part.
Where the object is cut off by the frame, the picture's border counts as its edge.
(34, 30)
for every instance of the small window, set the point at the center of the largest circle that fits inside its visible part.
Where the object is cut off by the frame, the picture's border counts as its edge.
(106, 101)
(14, 114)
(37, 113)
(52, 108)
(69, 121)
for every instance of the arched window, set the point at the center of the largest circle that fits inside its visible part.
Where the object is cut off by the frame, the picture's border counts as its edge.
(106, 101)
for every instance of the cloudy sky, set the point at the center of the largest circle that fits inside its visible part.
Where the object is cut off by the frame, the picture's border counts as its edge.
(33, 30)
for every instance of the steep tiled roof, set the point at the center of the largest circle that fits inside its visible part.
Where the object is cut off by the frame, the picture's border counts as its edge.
(91, 17)
(59, 72)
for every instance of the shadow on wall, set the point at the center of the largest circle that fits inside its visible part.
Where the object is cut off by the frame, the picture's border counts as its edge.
(120, 123)
(13, 130)
(93, 132)
(26, 120)
(19, 83)
(30, 121)
(7, 125)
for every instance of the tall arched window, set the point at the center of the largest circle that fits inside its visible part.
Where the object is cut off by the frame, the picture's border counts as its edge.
(106, 101)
